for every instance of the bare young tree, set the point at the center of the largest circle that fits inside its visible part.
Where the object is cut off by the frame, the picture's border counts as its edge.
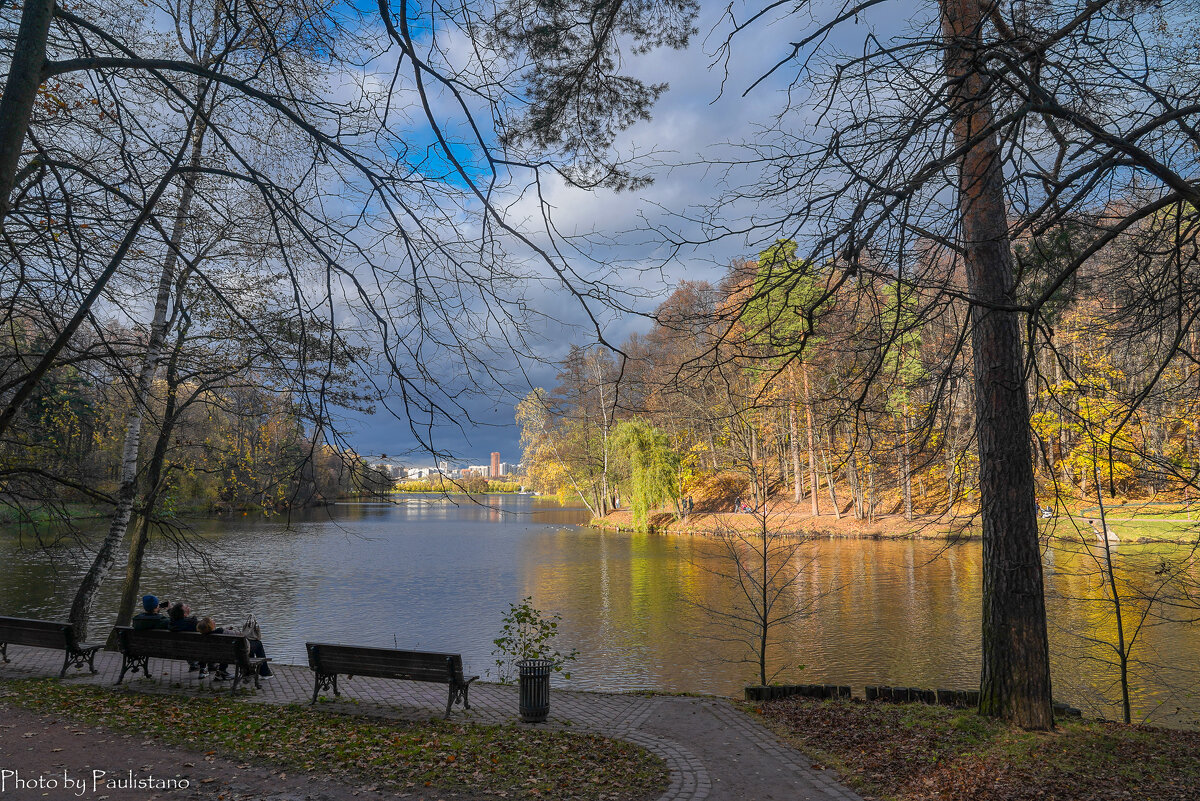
(765, 568)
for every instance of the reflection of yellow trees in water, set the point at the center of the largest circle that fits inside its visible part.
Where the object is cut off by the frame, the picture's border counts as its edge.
(893, 613)
(1162, 655)
(901, 612)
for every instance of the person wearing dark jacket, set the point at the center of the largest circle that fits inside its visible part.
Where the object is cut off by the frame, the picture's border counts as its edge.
(152, 617)
(182, 619)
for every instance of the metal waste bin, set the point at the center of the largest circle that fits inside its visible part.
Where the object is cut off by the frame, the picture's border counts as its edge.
(534, 677)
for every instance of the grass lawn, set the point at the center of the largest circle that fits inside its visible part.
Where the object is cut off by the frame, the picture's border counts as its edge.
(914, 752)
(1150, 509)
(506, 760)
(1130, 527)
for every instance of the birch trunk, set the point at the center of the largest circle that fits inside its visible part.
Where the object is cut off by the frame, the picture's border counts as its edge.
(137, 546)
(794, 437)
(814, 477)
(837, 510)
(852, 477)
(906, 465)
(127, 490)
(951, 461)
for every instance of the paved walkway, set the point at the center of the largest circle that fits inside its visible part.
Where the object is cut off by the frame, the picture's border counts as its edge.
(713, 750)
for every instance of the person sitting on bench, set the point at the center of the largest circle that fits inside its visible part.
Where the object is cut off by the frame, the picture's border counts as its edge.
(152, 617)
(206, 626)
(182, 619)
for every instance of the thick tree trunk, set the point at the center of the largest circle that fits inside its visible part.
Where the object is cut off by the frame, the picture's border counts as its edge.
(20, 92)
(106, 555)
(1015, 679)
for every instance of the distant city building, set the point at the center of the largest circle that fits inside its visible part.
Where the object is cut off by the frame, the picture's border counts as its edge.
(495, 470)
(389, 470)
(423, 472)
(506, 468)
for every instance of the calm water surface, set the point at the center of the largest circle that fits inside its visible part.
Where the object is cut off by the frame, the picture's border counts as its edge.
(436, 574)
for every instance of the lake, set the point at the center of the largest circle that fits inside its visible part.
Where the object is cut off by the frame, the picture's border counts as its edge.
(438, 574)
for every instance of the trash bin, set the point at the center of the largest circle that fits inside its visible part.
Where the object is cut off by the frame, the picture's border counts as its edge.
(534, 677)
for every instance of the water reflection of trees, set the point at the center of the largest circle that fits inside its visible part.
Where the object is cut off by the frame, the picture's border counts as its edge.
(1162, 652)
(905, 613)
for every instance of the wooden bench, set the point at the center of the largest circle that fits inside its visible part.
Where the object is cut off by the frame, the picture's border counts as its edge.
(48, 634)
(328, 660)
(138, 647)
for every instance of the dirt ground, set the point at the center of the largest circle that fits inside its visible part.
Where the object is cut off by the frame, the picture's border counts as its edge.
(38, 752)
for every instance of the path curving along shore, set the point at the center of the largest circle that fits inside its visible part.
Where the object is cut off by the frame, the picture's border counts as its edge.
(712, 749)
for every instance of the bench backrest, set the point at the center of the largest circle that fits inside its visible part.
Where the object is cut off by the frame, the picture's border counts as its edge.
(388, 663)
(40, 633)
(226, 648)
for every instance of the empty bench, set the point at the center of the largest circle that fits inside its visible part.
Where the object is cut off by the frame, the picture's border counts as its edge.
(48, 634)
(139, 647)
(328, 661)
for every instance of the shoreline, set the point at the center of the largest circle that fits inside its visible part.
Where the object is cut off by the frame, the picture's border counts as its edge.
(713, 524)
(888, 527)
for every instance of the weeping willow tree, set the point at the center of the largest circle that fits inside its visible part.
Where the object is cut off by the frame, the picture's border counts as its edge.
(651, 467)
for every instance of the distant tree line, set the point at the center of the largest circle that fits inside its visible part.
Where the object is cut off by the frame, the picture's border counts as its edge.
(222, 435)
(859, 403)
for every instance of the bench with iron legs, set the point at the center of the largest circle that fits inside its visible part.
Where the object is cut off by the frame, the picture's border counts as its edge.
(48, 634)
(139, 647)
(328, 661)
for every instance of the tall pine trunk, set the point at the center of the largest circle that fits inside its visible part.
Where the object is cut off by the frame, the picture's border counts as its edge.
(1015, 679)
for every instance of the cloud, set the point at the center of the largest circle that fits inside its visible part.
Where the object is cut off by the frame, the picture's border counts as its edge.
(624, 241)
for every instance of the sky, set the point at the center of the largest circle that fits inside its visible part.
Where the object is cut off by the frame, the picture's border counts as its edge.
(696, 118)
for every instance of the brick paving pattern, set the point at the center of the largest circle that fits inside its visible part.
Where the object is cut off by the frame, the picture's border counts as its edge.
(713, 750)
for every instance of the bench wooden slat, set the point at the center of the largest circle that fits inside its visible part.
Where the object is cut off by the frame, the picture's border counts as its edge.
(138, 647)
(436, 671)
(328, 660)
(187, 645)
(47, 634)
(35, 633)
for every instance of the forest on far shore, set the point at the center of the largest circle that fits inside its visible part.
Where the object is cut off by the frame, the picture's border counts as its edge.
(797, 380)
